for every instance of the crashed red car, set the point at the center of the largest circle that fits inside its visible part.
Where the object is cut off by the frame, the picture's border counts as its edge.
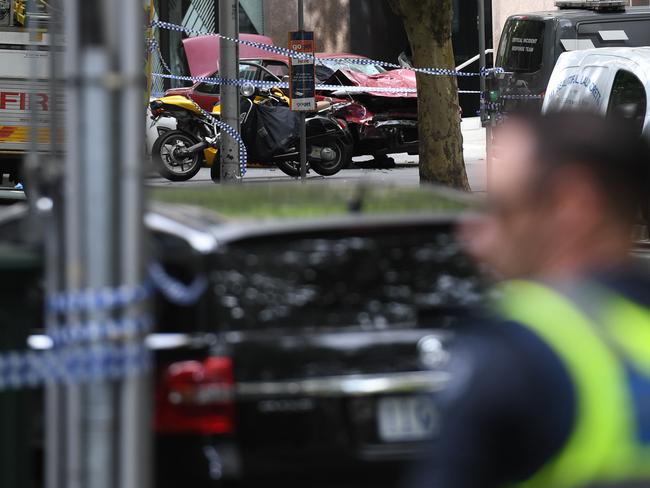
(381, 122)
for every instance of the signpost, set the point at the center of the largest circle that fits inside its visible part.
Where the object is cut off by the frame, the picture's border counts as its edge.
(302, 81)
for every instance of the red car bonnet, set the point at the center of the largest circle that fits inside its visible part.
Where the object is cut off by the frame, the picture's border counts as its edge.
(399, 78)
(202, 52)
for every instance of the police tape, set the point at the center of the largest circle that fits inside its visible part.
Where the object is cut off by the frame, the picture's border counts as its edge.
(99, 300)
(154, 47)
(96, 331)
(175, 291)
(95, 350)
(279, 84)
(107, 298)
(309, 57)
(70, 365)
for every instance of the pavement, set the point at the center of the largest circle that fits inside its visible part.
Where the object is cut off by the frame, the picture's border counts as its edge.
(405, 172)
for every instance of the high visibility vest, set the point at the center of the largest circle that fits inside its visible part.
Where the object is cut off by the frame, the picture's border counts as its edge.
(607, 357)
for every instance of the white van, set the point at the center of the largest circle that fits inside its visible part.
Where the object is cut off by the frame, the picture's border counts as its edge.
(606, 80)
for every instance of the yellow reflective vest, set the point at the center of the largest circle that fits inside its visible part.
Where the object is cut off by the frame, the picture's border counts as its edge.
(607, 357)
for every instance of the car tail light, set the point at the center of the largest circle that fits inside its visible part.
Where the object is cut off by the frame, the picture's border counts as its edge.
(196, 397)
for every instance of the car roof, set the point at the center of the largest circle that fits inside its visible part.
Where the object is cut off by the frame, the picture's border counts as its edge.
(579, 15)
(250, 211)
(639, 55)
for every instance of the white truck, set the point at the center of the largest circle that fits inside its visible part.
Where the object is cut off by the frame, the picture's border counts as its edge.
(24, 70)
(605, 80)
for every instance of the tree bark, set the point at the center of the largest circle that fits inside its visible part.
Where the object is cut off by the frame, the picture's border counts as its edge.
(428, 25)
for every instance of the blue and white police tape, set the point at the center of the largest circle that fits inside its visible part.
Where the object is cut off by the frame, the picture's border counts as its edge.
(279, 84)
(522, 96)
(106, 299)
(154, 47)
(305, 56)
(31, 369)
(95, 331)
(175, 291)
(100, 300)
(231, 132)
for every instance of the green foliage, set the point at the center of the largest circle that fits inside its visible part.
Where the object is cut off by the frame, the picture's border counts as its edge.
(313, 200)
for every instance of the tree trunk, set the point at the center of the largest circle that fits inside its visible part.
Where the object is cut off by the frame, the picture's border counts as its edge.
(428, 26)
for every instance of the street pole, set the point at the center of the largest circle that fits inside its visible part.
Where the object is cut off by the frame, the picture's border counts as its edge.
(229, 69)
(482, 57)
(485, 120)
(303, 115)
(104, 441)
(134, 391)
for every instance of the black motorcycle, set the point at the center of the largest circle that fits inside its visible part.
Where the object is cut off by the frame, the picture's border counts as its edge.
(270, 131)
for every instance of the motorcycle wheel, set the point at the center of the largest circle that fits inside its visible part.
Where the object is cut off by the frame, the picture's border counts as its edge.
(290, 168)
(329, 168)
(168, 164)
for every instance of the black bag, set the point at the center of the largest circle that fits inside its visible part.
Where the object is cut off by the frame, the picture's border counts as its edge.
(276, 131)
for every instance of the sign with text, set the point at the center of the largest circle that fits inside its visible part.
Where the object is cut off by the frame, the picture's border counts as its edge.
(302, 74)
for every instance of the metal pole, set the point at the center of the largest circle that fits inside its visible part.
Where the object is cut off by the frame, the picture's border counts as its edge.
(73, 245)
(99, 202)
(228, 68)
(135, 390)
(303, 123)
(482, 57)
(73, 224)
(100, 233)
(55, 421)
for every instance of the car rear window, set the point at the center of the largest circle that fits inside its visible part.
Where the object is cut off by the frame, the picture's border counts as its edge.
(521, 46)
(371, 280)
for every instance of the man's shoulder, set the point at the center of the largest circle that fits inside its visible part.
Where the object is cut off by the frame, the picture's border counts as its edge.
(509, 357)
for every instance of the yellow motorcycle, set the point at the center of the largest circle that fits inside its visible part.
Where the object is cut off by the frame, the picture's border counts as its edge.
(179, 154)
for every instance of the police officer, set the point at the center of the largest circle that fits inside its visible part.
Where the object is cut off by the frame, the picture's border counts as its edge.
(554, 391)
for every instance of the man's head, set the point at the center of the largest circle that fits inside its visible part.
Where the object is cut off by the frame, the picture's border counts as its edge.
(564, 194)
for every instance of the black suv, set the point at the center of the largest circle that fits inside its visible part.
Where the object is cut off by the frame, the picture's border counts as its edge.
(315, 353)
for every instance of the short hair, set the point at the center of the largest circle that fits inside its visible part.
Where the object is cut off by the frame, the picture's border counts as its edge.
(610, 149)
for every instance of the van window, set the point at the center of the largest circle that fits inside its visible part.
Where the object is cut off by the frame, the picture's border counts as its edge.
(521, 46)
(628, 99)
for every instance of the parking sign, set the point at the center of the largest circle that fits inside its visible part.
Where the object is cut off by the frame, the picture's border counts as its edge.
(302, 75)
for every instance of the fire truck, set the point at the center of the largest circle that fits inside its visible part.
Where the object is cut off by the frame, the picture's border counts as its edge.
(24, 71)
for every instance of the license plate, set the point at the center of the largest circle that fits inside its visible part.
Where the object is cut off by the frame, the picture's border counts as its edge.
(411, 418)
